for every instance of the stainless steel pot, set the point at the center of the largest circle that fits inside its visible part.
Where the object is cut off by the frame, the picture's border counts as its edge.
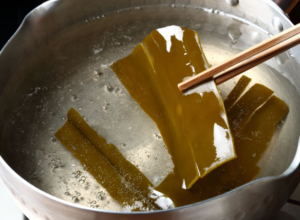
(49, 64)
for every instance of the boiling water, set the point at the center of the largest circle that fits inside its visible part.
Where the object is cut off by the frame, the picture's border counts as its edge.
(72, 70)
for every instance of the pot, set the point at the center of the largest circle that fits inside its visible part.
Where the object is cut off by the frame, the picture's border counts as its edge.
(59, 58)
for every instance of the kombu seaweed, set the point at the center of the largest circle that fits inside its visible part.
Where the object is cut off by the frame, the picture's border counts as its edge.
(194, 127)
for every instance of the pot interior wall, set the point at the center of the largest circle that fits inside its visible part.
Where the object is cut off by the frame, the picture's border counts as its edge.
(71, 69)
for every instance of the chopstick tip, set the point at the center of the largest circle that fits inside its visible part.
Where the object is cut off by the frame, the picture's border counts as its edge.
(181, 87)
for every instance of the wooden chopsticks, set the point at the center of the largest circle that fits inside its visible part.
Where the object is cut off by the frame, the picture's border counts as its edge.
(257, 54)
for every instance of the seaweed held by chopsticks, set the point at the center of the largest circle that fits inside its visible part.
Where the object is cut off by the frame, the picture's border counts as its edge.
(193, 125)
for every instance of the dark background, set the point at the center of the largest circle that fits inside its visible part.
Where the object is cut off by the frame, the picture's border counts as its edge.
(12, 13)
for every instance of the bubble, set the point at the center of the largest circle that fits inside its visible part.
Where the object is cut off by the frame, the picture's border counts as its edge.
(77, 193)
(77, 174)
(75, 199)
(67, 194)
(74, 98)
(105, 107)
(53, 140)
(232, 2)
(109, 88)
(101, 195)
(157, 136)
(64, 118)
(97, 75)
(117, 90)
(96, 78)
(277, 24)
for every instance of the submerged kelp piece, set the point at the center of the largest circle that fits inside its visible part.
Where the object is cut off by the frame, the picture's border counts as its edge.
(236, 92)
(250, 143)
(193, 125)
(139, 183)
(100, 168)
(242, 110)
(125, 168)
(255, 136)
